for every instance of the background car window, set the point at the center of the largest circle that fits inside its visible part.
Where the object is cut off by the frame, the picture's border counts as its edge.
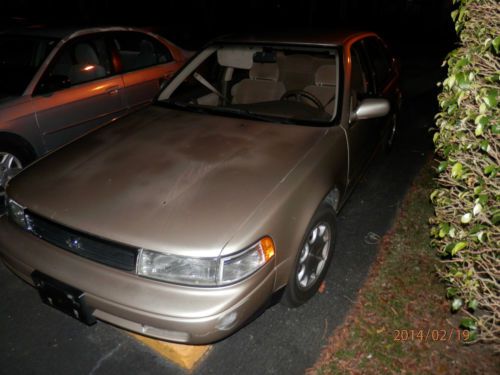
(83, 61)
(139, 51)
(380, 62)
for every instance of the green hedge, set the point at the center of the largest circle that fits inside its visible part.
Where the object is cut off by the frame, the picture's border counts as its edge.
(465, 228)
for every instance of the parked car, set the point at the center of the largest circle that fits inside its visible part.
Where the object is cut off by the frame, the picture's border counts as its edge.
(56, 85)
(181, 220)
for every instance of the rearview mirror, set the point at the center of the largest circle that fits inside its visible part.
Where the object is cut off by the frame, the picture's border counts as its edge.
(371, 108)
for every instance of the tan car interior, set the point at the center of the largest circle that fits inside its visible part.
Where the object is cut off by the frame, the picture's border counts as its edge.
(270, 81)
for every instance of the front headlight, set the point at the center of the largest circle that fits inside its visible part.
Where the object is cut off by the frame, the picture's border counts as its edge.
(16, 212)
(205, 271)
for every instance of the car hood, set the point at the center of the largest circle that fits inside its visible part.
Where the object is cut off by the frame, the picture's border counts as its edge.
(163, 179)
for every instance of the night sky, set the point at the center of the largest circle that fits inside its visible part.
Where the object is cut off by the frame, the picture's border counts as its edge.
(408, 25)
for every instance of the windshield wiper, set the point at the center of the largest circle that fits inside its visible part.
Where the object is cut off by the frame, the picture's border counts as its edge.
(248, 114)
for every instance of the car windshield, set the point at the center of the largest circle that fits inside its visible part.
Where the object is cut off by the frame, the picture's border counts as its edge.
(294, 84)
(20, 58)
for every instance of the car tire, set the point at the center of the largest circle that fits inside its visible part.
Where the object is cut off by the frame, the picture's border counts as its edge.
(11, 157)
(308, 273)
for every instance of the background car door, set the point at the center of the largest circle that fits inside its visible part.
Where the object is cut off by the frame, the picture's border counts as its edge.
(145, 64)
(363, 134)
(78, 92)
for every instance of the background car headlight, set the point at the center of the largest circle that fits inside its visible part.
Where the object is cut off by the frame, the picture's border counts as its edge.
(205, 271)
(16, 212)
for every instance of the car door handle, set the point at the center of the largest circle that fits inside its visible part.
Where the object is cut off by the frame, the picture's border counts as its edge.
(114, 90)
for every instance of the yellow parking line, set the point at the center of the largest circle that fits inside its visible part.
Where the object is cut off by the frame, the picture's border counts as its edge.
(186, 356)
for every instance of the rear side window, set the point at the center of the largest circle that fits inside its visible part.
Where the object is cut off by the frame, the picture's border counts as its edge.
(81, 61)
(138, 51)
(380, 62)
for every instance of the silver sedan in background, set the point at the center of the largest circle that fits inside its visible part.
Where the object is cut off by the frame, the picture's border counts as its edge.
(56, 85)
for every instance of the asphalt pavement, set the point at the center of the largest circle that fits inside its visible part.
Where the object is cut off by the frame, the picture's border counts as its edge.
(35, 339)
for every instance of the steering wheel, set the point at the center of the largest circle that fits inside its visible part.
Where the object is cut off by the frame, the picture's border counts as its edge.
(297, 94)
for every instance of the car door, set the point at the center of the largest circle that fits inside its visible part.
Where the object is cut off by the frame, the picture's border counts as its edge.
(79, 91)
(145, 64)
(362, 134)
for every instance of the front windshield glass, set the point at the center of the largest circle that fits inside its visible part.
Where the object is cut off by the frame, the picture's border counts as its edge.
(20, 58)
(275, 83)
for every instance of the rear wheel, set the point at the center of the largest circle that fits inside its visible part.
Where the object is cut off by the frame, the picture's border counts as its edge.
(313, 258)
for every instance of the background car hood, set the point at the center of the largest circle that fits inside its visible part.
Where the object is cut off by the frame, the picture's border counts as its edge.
(165, 180)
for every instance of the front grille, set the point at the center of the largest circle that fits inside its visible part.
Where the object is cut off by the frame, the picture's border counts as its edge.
(103, 251)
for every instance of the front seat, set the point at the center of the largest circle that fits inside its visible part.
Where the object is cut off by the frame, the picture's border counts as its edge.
(87, 67)
(324, 86)
(262, 86)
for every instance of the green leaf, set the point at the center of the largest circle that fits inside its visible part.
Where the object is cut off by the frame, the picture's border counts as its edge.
(457, 170)
(444, 228)
(491, 98)
(496, 218)
(449, 247)
(476, 228)
(459, 246)
(451, 292)
(485, 146)
(473, 304)
(462, 80)
(496, 44)
(495, 129)
(481, 119)
(433, 195)
(490, 170)
(442, 166)
(456, 304)
(472, 335)
(479, 130)
(435, 137)
(468, 323)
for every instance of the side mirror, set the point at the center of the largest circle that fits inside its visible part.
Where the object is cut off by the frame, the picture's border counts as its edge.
(54, 83)
(371, 108)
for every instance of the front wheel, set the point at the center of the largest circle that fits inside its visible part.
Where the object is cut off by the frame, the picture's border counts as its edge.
(12, 160)
(313, 259)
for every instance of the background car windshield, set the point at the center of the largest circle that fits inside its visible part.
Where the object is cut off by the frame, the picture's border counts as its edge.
(276, 82)
(20, 58)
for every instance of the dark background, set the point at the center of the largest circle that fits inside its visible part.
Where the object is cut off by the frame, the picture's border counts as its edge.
(410, 26)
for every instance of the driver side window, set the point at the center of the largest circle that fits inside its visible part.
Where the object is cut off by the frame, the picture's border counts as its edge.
(359, 78)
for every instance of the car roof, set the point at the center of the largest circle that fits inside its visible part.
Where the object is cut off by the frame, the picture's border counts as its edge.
(66, 33)
(313, 38)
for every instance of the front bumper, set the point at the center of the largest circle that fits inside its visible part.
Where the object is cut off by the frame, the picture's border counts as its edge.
(165, 311)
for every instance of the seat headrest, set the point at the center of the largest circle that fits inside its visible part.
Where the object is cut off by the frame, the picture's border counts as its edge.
(85, 54)
(264, 71)
(325, 76)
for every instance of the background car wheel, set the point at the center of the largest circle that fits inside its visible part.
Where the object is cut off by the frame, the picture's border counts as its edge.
(313, 258)
(12, 160)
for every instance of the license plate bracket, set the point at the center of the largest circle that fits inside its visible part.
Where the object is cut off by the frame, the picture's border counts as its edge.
(64, 298)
